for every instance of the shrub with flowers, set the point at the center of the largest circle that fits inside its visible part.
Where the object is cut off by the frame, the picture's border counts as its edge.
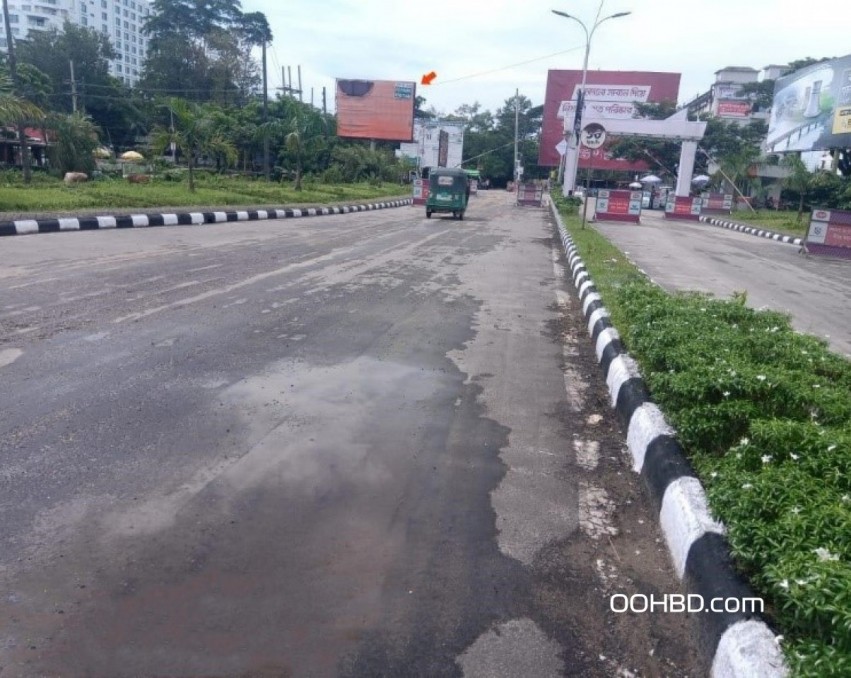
(764, 414)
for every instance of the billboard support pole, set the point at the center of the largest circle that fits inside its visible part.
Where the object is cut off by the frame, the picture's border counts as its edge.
(299, 82)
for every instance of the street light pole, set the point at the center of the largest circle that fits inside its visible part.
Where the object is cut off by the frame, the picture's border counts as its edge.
(571, 170)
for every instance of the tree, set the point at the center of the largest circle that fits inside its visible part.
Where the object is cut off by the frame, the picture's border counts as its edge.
(201, 50)
(52, 52)
(800, 179)
(193, 133)
(13, 104)
(661, 155)
(76, 138)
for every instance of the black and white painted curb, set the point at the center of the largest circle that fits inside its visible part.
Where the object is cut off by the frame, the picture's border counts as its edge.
(751, 230)
(735, 643)
(27, 226)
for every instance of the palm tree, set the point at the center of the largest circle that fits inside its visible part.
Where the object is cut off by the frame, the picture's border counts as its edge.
(192, 132)
(13, 109)
(799, 180)
(76, 141)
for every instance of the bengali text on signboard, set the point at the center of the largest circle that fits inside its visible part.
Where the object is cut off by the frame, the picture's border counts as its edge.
(830, 233)
(618, 205)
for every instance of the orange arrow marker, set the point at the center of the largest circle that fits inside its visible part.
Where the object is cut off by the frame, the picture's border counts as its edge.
(428, 77)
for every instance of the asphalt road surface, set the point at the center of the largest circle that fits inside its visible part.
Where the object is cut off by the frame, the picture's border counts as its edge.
(682, 255)
(358, 445)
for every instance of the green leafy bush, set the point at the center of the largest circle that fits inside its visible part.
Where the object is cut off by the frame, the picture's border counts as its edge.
(764, 414)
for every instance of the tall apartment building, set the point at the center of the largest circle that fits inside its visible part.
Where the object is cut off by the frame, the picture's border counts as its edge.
(120, 20)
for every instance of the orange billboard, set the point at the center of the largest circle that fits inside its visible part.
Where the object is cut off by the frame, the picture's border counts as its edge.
(376, 109)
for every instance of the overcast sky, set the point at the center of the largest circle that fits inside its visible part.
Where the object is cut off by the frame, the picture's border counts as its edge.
(482, 50)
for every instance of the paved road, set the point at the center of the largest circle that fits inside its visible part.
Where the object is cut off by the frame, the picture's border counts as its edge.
(682, 255)
(360, 445)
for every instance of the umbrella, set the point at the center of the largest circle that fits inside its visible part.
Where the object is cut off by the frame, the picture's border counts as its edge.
(132, 155)
(700, 179)
(635, 184)
(650, 179)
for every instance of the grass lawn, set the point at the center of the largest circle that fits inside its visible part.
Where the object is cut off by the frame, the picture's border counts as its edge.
(785, 222)
(51, 195)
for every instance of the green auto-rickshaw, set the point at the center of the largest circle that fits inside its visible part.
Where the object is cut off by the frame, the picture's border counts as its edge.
(448, 191)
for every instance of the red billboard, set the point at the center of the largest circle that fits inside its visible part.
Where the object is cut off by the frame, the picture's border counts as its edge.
(734, 109)
(375, 109)
(612, 94)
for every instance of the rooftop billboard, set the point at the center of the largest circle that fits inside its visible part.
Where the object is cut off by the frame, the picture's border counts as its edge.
(612, 94)
(375, 109)
(812, 108)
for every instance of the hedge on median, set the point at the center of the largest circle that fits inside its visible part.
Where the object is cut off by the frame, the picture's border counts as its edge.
(764, 414)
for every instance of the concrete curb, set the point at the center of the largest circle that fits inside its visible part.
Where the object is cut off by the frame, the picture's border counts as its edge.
(735, 643)
(92, 223)
(751, 230)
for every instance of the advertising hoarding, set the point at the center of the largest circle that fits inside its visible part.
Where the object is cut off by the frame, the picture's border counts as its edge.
(375, 109)
(426, 148)
(734, 109)
(811, 108)
(612, 94)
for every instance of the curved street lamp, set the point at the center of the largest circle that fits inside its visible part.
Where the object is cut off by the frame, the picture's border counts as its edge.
(570, 182)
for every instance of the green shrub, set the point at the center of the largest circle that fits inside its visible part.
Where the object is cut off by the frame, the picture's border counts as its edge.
(764, 414)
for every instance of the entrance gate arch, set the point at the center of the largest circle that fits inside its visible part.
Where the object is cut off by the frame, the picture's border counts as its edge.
(677, 128)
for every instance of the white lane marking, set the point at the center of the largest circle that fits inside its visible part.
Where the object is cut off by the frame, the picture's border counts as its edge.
(587, 453)
(9, 355)
(515, 648)
(595, 511)
(203, 268)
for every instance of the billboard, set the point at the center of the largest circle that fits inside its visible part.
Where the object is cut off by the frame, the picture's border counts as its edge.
(734, 109)
(431, 148)
(612, 94)
(375, 109)
(812, 108)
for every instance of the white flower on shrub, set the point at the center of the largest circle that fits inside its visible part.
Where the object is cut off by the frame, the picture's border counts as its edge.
(766, 458)
(823, 554)
(761, 377)
(784, 584)
(831, 448)
(726, 394)
(794, 457)
(795, 509)
(747, 486)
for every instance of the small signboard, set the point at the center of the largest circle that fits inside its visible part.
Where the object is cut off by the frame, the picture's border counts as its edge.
(420, 194)
(717, 203)
(683, 207)
(474, 186)
(618, 206)
(530, 195)
(830, 233)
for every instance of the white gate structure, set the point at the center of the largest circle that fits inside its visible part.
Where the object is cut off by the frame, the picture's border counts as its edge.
(677, 128)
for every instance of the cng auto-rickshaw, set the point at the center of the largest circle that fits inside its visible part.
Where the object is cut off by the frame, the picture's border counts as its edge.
(448, 191)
